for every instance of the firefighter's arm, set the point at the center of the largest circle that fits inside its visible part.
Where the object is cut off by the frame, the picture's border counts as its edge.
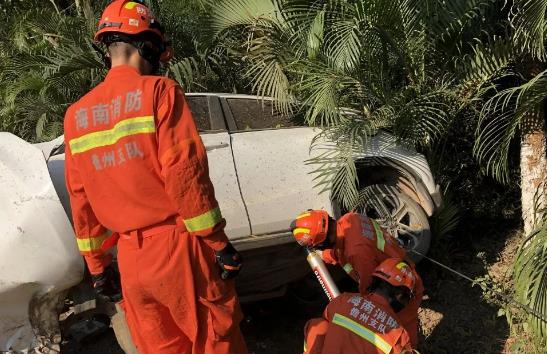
(90, 234)
(185, 170)
(403, 345)
(329, 256)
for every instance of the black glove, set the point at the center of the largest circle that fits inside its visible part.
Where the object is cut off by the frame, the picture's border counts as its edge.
(107, 285)
(229, 260)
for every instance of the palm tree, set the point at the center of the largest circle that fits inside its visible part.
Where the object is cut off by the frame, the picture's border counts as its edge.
(516, 113)
(47, 60)
(49, 64)
(411, 67)
(390, 63)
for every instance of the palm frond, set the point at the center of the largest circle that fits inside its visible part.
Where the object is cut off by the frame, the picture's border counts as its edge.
(530, 276)
(447, 218)
(500, 119)
(487, 61)
(530, 25)
(422, 119)
(232, 13)
(333, 158)
(185, 72)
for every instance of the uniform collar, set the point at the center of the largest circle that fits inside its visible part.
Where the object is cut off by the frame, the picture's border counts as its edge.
(122, 70)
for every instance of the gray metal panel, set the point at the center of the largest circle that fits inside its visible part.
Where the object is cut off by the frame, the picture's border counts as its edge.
(276, 183)
(223, 175)
(38, 253)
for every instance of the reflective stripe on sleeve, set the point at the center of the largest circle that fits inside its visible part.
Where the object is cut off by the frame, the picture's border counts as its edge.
(348, 267)
(127, 127)
(380, 241)
(91, 244)
(362, 332)
(204, 221)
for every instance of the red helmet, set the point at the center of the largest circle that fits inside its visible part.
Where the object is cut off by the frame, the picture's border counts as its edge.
(396, 272)
(310, 227)
(131, 18)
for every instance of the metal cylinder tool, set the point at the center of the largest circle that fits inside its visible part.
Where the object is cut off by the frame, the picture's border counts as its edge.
(322, 273)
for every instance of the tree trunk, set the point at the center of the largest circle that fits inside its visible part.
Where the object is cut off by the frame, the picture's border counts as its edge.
(533, 170)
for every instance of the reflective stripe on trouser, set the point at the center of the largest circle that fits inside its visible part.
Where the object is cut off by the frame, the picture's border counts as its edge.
(362, 332)
(174, 299)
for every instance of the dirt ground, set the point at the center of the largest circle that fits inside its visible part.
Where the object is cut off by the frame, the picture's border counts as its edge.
(454, 316)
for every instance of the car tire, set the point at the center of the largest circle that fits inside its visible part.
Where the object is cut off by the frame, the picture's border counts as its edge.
(401, 215)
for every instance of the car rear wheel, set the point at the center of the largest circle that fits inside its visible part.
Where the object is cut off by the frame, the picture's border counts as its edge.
(400, 215)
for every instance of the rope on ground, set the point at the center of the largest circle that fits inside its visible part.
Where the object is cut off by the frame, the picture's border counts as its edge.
(505, 297)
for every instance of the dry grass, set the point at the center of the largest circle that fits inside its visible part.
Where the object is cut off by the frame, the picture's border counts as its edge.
(456, 318)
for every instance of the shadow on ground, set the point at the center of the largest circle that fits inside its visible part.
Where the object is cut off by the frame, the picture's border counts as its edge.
(455, 318)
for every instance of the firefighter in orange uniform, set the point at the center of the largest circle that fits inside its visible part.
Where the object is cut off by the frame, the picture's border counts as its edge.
(359, 245)
(366, 323)
(136, 165)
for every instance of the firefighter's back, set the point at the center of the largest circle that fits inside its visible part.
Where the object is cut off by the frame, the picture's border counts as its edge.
(363, 325)
(110, 135)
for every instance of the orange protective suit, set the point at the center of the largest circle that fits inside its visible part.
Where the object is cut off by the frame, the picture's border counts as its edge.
(357, 324)
(135, 164)
(361, 245)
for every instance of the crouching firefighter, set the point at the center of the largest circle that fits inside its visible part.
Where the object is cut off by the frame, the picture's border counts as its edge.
(359, 245)
(366, 323)
(136, 165)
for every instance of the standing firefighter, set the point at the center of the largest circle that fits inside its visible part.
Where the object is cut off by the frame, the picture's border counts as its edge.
(359, 245)
(366, 323)
(136, 165)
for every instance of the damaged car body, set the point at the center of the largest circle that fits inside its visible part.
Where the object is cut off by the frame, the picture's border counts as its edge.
(257, 166)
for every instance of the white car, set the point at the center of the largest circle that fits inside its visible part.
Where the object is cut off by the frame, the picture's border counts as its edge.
(257, 165)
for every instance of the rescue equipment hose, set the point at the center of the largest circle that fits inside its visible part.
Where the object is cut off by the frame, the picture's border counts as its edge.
(508, 299)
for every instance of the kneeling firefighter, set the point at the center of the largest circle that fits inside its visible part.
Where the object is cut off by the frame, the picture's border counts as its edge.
(136, 165)
(366, 323)
(359, 245)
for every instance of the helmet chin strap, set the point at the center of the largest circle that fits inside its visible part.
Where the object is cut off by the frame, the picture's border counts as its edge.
(395, 304)
(151, 55)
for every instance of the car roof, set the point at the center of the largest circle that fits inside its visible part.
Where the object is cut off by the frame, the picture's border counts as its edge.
(227, 95)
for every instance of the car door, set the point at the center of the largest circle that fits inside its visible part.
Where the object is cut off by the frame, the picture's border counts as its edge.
(208, 116)
(210, 122)
(270, 151)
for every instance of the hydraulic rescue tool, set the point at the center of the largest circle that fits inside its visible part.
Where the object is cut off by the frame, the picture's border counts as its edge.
(322, 273)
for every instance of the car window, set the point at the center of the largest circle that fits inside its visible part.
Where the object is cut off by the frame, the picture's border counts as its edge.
(200, 111)
(259, 114)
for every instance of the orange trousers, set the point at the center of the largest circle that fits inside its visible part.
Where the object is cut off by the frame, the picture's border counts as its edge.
(174, 299)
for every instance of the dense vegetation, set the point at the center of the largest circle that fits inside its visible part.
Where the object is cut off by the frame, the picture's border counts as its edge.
(464, 82)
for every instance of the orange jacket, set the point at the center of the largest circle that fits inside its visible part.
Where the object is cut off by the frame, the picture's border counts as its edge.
(359, 324)
(361, 245)
(134, 159)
